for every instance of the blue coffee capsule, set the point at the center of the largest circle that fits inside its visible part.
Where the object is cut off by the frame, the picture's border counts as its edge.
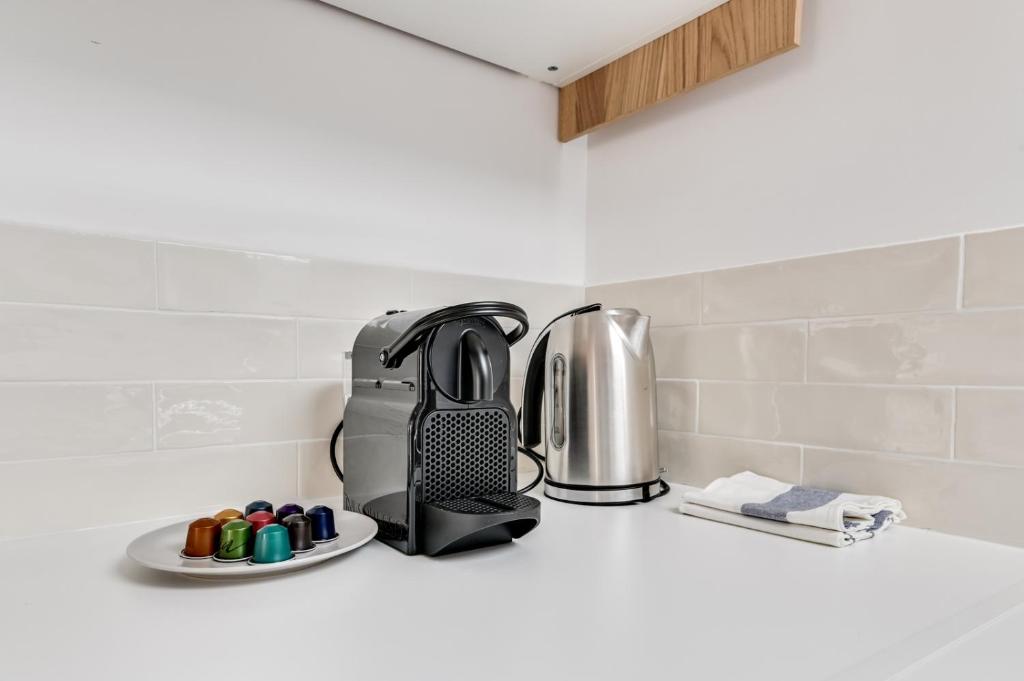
(322, 520)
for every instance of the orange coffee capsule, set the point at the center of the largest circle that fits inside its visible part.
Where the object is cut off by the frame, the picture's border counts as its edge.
(203, 538)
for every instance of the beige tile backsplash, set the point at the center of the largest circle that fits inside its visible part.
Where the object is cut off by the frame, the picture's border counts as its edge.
(44, 266)
(961, 498)
(921, 276)
(880, 418)
(958, 348)
(677, 405)
(142, 379)
(199, 279)
(990, 425)
(45, 420)
(896, 370)
(761, 352)
(322, 347)
(117, 488)
(670, 301)
(994, 274)
(204, 414)
(48, 343)
(699, 459)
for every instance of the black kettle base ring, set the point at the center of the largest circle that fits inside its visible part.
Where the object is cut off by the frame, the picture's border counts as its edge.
(604, 495)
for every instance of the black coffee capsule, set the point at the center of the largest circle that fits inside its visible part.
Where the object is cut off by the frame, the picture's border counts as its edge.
(300, 532)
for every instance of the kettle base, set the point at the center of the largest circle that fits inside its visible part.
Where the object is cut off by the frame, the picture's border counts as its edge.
(619, 495)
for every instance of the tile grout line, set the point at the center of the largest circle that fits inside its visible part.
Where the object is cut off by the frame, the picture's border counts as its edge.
(178, 313)
(298, 374)
(156, 276)
(807, 348)
(700, 299)
(57, 382)
(1016, 387)
(921, 458)
(850, 384)
(961, 271)
(165, 450)
(153, 385)
(952, 426)
(853, 317)
(298, 470)
(696, 410)
(904, 456)
(811, 256)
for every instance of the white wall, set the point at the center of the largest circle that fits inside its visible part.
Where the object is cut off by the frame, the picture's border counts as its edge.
(286, 126)
(895, 120)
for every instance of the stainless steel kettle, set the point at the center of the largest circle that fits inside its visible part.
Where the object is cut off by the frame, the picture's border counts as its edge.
(590, 397)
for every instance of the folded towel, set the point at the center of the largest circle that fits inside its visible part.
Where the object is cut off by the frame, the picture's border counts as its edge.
(819, 515)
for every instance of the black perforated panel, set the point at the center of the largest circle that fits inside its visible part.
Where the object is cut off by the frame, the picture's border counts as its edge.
(465, 454)
(510, 500)
(468, 506)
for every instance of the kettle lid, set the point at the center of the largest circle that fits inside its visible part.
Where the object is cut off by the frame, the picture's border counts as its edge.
(634, 327)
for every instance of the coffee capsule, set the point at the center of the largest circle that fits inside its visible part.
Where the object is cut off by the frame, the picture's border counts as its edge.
(287, 510)
(322, 520)
(272, 545)
(202, 538)
(227, 515)
(260, 519)
(300, 532)
(235, 541)
(258, 505)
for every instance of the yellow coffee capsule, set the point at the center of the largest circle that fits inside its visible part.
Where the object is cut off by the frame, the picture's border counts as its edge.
(227, 515)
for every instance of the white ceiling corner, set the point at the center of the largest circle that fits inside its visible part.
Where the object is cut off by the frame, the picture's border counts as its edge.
(528, 36)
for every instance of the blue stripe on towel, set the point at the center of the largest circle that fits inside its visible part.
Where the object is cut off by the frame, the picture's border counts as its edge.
(796, 499)
(879, 521)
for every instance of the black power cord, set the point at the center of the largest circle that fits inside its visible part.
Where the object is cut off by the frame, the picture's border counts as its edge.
(536, 457)
(334, 451)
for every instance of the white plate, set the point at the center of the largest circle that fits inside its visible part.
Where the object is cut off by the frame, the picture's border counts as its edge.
(159, 550)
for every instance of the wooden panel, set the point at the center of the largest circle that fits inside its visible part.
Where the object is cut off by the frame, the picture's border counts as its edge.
(730, 37)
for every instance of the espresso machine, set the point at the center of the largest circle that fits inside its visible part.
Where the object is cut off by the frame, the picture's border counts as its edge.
(430, 434)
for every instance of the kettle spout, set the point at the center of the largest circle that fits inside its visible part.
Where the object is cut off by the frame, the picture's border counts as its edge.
(634, 327)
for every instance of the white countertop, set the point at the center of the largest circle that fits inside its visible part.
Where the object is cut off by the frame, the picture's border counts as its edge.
(595, 593)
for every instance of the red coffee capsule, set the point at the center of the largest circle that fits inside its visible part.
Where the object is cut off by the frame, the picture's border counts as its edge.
(260, 519)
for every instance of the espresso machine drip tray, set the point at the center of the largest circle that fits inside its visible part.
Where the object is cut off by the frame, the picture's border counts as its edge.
(454, 524)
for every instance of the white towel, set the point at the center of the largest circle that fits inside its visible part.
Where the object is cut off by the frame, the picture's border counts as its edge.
(823, 516)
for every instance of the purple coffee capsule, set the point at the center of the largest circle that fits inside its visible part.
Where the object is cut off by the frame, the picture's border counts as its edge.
(287, 510)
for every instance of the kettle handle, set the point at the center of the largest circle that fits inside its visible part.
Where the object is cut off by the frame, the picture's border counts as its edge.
(533, 382)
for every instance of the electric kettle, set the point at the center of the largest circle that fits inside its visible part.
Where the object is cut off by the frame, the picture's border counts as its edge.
(590, 396)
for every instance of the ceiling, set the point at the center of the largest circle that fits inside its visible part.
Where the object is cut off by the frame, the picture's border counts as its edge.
(528, 36)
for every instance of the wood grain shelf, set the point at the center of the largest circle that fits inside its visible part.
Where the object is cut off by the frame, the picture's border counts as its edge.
(730, 37)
